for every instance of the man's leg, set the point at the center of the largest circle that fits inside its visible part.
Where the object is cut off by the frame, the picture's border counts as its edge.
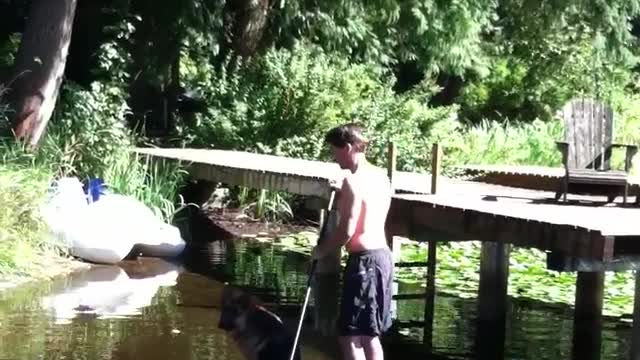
(351, 348)
(350, 310)
(372, 347)
(381, 295)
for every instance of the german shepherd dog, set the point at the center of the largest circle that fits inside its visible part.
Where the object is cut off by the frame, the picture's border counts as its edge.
(259, 333)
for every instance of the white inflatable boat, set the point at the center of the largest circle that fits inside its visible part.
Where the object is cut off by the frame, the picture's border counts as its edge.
(108, 229)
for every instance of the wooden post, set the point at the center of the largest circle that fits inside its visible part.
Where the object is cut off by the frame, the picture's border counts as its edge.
(391, 170)
(431, 257)
(429, 301)
(587, 318)
(435, 166)
(391, 162)
(635, 334)
(394, 245)
(492, 300)
(327, 279)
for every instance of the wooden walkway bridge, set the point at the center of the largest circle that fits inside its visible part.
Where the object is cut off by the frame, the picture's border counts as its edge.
(583, 236)
(460, 210)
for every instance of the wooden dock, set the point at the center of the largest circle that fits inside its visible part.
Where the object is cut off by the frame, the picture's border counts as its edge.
(529, 177)
(500, 216)
(461, 210)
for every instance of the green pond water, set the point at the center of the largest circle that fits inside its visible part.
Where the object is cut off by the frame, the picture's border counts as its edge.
(138, 312)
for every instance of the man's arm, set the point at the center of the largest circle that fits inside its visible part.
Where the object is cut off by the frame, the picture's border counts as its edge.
(349, 206)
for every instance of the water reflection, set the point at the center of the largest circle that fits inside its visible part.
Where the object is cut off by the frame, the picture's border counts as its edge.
(534, 330)
(139, 313)
(108, 292)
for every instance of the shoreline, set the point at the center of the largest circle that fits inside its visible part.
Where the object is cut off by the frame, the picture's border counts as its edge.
(49, 267)
(229, 223)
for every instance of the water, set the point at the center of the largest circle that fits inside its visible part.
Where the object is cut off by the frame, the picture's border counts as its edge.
(139, 312)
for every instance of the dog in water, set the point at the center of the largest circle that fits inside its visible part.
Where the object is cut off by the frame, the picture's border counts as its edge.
(259, 333)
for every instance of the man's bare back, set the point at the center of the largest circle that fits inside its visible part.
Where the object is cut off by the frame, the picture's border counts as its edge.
(362, 207)
(371, 188)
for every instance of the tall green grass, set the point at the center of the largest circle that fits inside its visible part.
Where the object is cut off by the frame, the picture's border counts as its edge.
(87, 137)
(154, 182)
(507, 143)
(23, 234)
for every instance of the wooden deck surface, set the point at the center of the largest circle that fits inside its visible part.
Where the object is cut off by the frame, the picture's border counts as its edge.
(293, 169)
(250, 161)
(467, 209)
(531, 177)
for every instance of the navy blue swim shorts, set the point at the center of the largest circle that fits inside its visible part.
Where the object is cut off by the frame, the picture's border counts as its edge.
(365, 307)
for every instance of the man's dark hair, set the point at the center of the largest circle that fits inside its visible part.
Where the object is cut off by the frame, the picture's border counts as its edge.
(350, 133)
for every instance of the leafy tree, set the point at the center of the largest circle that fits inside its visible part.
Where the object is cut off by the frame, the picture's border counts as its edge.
(545, 52)
(439, 35)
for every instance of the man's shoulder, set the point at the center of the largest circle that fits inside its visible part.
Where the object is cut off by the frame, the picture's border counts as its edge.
(349, 183)
(378, 175)
(365, 180)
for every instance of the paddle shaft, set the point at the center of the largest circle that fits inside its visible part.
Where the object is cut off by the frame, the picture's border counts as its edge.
(314, 263)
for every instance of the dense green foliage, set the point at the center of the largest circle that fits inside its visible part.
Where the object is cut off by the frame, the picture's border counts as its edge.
(284, 101)
(25, 179)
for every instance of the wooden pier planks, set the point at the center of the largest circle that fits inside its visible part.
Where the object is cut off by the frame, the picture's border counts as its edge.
(467, 210)
(530, 177)
(297, 176)
(495, 222)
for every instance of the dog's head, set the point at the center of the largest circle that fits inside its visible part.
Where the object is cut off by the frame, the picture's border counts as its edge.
(236, 305)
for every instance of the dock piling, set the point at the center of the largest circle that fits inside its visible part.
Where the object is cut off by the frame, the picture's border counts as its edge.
(587, 318)
(492, 300)
(635, 334)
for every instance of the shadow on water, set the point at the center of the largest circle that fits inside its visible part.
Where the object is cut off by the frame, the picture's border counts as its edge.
(132, 311)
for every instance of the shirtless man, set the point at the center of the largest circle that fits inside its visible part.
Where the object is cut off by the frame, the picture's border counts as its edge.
(362, 207)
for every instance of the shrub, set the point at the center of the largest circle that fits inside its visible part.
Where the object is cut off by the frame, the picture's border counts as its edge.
(283, 102)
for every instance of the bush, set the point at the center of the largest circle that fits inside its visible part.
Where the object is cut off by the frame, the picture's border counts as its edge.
(88, 137)
(89, 129)
(284, 101)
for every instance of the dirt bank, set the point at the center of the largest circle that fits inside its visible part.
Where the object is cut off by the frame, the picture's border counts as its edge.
(47, 267)
(233, 224)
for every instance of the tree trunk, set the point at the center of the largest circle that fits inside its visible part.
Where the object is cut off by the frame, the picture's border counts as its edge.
(246, 23)
(39, 66)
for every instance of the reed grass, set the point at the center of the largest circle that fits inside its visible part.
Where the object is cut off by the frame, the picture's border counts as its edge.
(23, 234)
(154, 182)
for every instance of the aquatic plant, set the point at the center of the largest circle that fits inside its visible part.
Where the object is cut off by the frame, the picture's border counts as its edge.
(457, 274)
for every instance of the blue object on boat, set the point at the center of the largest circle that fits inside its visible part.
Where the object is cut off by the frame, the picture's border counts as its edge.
(95, 188)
